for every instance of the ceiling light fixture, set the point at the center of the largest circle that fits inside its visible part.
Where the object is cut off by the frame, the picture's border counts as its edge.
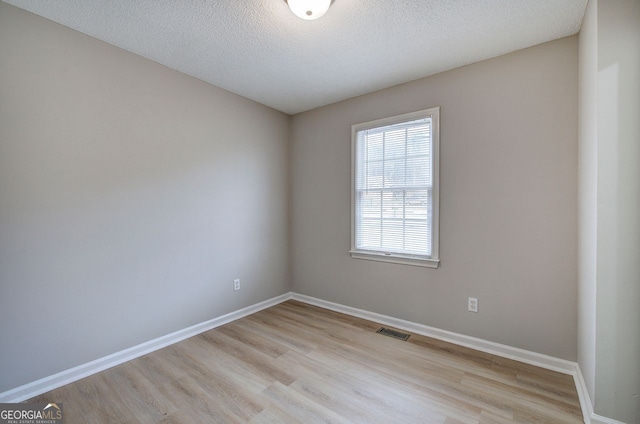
(309, 9)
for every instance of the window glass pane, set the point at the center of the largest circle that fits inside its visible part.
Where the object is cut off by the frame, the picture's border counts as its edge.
(392, 239)
(418, 171)
(374, 147)
(417, 237)
(418, 141)
(393, 204)
(370, 203)
(394, 144)
(394, 173)
(374, 175)
(369, 236)
(417, 205)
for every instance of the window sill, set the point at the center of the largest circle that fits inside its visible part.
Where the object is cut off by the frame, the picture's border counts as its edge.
(394, 258)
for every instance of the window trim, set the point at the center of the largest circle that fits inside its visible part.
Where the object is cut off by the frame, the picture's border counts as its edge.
(434, 260)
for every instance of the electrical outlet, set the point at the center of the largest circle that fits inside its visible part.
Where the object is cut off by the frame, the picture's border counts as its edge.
(472, 305)
(236, 284)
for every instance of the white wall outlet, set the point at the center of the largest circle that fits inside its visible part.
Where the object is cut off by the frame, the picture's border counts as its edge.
(236, 284)
(472, 305)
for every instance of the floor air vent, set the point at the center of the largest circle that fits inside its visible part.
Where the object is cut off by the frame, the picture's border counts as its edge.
(392, 333)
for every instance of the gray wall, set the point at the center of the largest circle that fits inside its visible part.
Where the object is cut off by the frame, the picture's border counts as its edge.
(508, 229)
(618, 190)
(130, 197)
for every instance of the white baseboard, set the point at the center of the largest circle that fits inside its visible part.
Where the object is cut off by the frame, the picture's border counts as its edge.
(599, 419)
(583, 395)
(509, 352)
(590, 417)
(46, 384)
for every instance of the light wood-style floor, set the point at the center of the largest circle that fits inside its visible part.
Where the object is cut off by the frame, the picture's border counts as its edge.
(296, 363)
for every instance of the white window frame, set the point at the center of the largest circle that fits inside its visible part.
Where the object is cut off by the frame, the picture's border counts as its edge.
(417, 260)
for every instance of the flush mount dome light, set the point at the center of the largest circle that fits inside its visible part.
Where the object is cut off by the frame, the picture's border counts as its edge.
(309, 9)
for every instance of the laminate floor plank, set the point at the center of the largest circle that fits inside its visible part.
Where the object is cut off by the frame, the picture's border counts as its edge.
(297, 363)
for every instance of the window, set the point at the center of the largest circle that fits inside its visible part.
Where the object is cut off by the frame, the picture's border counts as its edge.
(395, 189)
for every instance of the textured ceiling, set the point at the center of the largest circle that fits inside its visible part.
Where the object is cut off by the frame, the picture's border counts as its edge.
(260, 50)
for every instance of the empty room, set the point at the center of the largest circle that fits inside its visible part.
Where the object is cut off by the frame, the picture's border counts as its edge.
(320, 211)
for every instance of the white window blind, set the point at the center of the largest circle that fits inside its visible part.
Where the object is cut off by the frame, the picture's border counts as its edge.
(394, 176)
